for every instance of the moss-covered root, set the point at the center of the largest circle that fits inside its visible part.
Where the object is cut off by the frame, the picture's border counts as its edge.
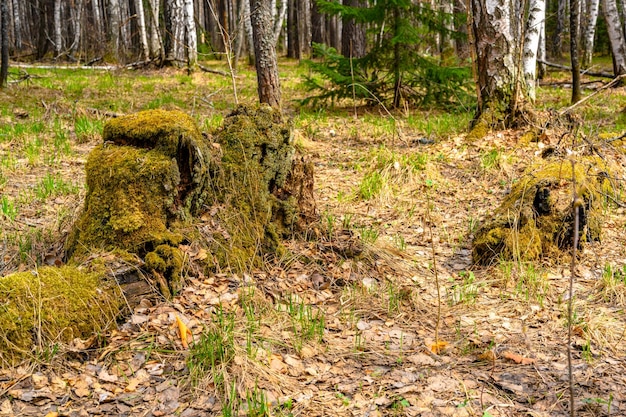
(166, 264)
(50, 305)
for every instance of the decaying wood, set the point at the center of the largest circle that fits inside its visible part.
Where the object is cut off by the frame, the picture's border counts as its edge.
(585, 72)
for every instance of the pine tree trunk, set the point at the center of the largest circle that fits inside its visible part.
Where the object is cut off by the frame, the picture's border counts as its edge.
(536, 16)
(293, 39)
(616, 36)
(4, 46)
(317, 24)
(17, 24)
(353, 34)
(461, 44)
(265, 53)
(557, 37)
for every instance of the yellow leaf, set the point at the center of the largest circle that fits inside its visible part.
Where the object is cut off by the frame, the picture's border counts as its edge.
(183, 331)
(438, 346)
(52, 414)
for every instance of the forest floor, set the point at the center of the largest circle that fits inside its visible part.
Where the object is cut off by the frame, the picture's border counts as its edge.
(408, 327)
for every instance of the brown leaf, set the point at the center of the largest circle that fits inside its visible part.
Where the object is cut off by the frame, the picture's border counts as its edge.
(517, 358)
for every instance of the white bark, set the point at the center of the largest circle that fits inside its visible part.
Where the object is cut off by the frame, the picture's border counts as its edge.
(125, 24)
(541, 51)
(191, 36)
(279, 18)
(141, 26)
(76, 14)
(97, 19)
(591, 13)
(155, 36)
(176, 30)
(17, 24)
(58, 38)
(616, 36)
(115, 21)
(536, 16)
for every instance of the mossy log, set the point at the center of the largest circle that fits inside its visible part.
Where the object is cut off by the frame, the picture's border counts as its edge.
(537, 219)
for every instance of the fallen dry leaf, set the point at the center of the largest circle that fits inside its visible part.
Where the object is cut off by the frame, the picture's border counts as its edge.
(438, 347)
(517, 358)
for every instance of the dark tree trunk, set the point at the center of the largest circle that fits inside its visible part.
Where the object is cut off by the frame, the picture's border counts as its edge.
(573, 27)
(265, 52)
(4, 48)
(460, 25)
(353, 34)
(293, 34)
(317, 24)
(557, 37)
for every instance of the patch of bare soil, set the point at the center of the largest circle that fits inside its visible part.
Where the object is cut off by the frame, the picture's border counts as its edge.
(497, 347)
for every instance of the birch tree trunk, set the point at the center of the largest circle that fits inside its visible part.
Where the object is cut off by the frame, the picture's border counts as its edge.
(114, 26)
(190, 34)
(141, 27)
(588, 36)
(174, 31)
(76, 13)
(496, 33)
(265, 52)
(156, 42)
(58, 38)
(541, 51)
(17, 24)
(279, 18)
(616, 36)
(97, 20)
(557, 38)
(536, 17)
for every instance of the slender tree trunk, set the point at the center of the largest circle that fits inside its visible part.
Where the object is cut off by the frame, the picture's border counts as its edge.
(591, 18)
(265, 53)
(616, 36)
(293, 41)
(461, 44)
(4, 46)
(17, 24)
(573, 28)
(76, 13)
(279, 18)
(174, 31)
(156, 42)
(536, 16)
(353, 34)
(397, 75)
(191, 36)
(541, 51)
(141, 28)
(58, 38)
(114, 26)
(317, 24)
(97, 21)
(557, 38)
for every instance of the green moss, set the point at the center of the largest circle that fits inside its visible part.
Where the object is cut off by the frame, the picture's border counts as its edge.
(167, 261)
(49, 305)
(536, 219)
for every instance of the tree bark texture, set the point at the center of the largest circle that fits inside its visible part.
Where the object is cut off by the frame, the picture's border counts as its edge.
(536, 16)
(353, 34)
(496, 33)
(4, 45)
(616, 36)
(265, 52)
(573, 28)
(557, 37)
(17, 24)
(590, 19)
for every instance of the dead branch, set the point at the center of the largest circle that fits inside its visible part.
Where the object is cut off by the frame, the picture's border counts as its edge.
(584, 72)
(213, 71)
(599, 90)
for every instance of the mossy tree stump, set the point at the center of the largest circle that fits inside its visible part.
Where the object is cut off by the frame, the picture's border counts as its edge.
(537, 219)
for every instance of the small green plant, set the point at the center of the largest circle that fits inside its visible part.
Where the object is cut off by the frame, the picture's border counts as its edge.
(490, 159)
(215, 347)
(307, 324)
(8, 208)
(613, 284)
(531, 283)
(256, 403)
(600, 402)
(87, 129)
(368, 234)
(33, 150)
(371, 185)
(466, 291)
(399, 242)
(53, 185)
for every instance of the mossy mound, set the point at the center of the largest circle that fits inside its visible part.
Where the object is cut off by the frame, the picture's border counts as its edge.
(536, 218)
(266, 192)
(51, 305)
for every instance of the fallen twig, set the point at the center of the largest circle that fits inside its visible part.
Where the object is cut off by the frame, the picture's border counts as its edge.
(584, 99)
(585, 72)
(213, 71)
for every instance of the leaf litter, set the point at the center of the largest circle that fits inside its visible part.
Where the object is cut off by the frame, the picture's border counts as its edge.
(501, 345)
